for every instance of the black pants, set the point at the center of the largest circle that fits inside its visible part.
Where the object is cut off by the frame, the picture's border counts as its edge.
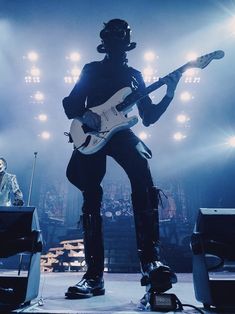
(86, 173)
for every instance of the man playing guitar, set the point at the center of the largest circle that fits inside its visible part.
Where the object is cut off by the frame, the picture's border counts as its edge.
(97, 83)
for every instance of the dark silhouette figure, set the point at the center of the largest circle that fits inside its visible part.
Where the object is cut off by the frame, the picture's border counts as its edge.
(98, 82)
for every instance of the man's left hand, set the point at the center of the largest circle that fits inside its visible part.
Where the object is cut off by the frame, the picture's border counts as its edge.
(171, 81)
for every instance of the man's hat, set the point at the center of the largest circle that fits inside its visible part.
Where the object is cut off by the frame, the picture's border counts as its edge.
(115, 35)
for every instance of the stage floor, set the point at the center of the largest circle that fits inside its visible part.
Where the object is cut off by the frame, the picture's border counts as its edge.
(123, 292)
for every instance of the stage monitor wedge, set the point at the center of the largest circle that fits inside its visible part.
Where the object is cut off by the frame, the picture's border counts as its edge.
(213, 246)
(20, 237)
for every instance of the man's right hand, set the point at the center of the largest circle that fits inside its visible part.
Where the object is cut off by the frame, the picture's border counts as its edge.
(18, 202)
(92, 120)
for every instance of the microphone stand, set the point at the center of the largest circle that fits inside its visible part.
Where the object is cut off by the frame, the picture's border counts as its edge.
(28, 204)
(32, 177)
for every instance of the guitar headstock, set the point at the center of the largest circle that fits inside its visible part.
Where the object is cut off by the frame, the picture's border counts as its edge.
(203, 61)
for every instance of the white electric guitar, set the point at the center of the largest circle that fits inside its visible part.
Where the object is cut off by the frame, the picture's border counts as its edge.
(113, 112)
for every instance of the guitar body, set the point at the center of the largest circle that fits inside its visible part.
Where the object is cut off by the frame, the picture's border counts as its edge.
(112, 120)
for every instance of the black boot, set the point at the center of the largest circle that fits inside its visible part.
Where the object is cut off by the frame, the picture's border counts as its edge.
(92, 282)
(156, 276)
(86, 288)
(93, 245)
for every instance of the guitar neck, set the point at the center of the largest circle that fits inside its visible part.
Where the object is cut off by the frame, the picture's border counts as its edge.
(200, 63)
(134, 97)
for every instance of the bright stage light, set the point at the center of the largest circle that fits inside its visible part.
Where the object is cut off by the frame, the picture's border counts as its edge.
(36, 79)
(32, 79)
(42, 117)
(38, 96)
(182, 118)
(74, 57)
(148, 71)
(185, 96)
(45, 135)
(190, 79)
(178, 136)
(190, 72)
(76, 72)
(35, 71)
(148, 74)
(191, 56)
(231, 141)
(196, 80)
(32, 56)
(149, 56)
(68, 79)
(143, 135)
(28, 79)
